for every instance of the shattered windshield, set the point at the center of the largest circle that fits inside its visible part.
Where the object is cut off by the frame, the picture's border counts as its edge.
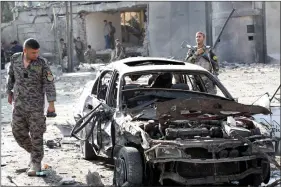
(144, 88)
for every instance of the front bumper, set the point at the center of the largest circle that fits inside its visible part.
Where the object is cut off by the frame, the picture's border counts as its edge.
(209, 179)
(183, 163)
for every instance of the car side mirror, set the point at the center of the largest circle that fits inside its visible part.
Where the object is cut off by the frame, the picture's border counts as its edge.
(263, 101)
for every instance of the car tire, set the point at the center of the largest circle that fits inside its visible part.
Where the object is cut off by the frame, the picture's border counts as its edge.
(128, 170)
(254, 180)
(86, 148)
(267, 172)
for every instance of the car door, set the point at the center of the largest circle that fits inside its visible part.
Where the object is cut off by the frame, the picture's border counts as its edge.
(101, 135)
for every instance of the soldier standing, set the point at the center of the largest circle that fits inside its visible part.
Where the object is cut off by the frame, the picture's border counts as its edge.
(90, 55)
(30, 78)
(205, 58)
(79, 48)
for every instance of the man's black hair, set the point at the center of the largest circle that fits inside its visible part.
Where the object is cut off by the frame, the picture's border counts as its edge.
(31, 43)
(61, 39)
(105, 20)
(78, 37)
(89, 46)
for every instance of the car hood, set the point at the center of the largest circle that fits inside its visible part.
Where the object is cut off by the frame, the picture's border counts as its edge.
(196, 107)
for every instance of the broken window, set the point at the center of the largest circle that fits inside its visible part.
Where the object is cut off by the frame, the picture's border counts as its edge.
(132, 26)
(142, 87)
(101, 86)
(113, 95)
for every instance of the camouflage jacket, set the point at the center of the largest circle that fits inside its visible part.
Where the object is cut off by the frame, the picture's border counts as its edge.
(30, 84)
(207, 56)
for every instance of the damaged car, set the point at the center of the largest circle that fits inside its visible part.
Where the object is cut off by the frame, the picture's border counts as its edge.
(271, 121)
(159, 122)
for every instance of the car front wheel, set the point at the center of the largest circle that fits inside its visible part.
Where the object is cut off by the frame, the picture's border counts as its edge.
(128, 170)
(87, 150)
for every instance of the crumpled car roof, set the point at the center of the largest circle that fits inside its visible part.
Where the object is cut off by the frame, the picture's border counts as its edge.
(121, 66)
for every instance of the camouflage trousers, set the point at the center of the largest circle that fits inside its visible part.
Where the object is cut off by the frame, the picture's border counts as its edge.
(28, 129)
(211, 88)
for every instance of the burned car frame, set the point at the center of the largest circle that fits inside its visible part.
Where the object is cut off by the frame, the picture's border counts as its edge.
(156, 119)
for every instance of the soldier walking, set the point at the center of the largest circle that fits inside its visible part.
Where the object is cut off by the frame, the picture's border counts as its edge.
(29, 79)
(205, 58)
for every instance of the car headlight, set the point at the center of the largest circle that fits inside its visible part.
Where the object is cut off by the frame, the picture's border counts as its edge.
(163, 152)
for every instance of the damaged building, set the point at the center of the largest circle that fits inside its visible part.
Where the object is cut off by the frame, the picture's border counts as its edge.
(251, 35)
(157, 32)
(47, 23)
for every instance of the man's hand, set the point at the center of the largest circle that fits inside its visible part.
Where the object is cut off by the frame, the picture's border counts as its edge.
(10, 98)
(200, 51)
(51, 107)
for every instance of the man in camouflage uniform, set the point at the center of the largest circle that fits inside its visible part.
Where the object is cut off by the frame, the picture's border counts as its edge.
(29, 79)
(79, 48)
(90, 55)
(119, 52)
(205, 58)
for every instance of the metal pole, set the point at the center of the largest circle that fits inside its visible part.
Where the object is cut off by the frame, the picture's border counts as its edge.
(56, 39)
(1, 84)
(68, 38)
(71, 38)
(264, 32)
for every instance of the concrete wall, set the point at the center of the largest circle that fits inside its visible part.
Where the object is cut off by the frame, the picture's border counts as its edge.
(234, 45)
(170, 23)
(95, 25)
(272, 12)
(22, 29)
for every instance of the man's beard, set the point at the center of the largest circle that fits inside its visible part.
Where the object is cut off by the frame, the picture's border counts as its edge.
(28, 58)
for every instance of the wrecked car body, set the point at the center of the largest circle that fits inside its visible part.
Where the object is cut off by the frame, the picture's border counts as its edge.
(271, 121)
(157, 120)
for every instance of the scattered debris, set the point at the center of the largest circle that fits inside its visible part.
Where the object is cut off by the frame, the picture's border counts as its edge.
(11, 180)
(22, 170)
(53, 143)
(94, 179)
(67, 181)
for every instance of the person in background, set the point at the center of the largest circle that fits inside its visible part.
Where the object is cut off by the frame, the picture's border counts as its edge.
(106, 32)
(63, 48)
(16, 47)
(111, 35)
(90, 55)
(79, 48)
(119, 51)
(205, 58)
